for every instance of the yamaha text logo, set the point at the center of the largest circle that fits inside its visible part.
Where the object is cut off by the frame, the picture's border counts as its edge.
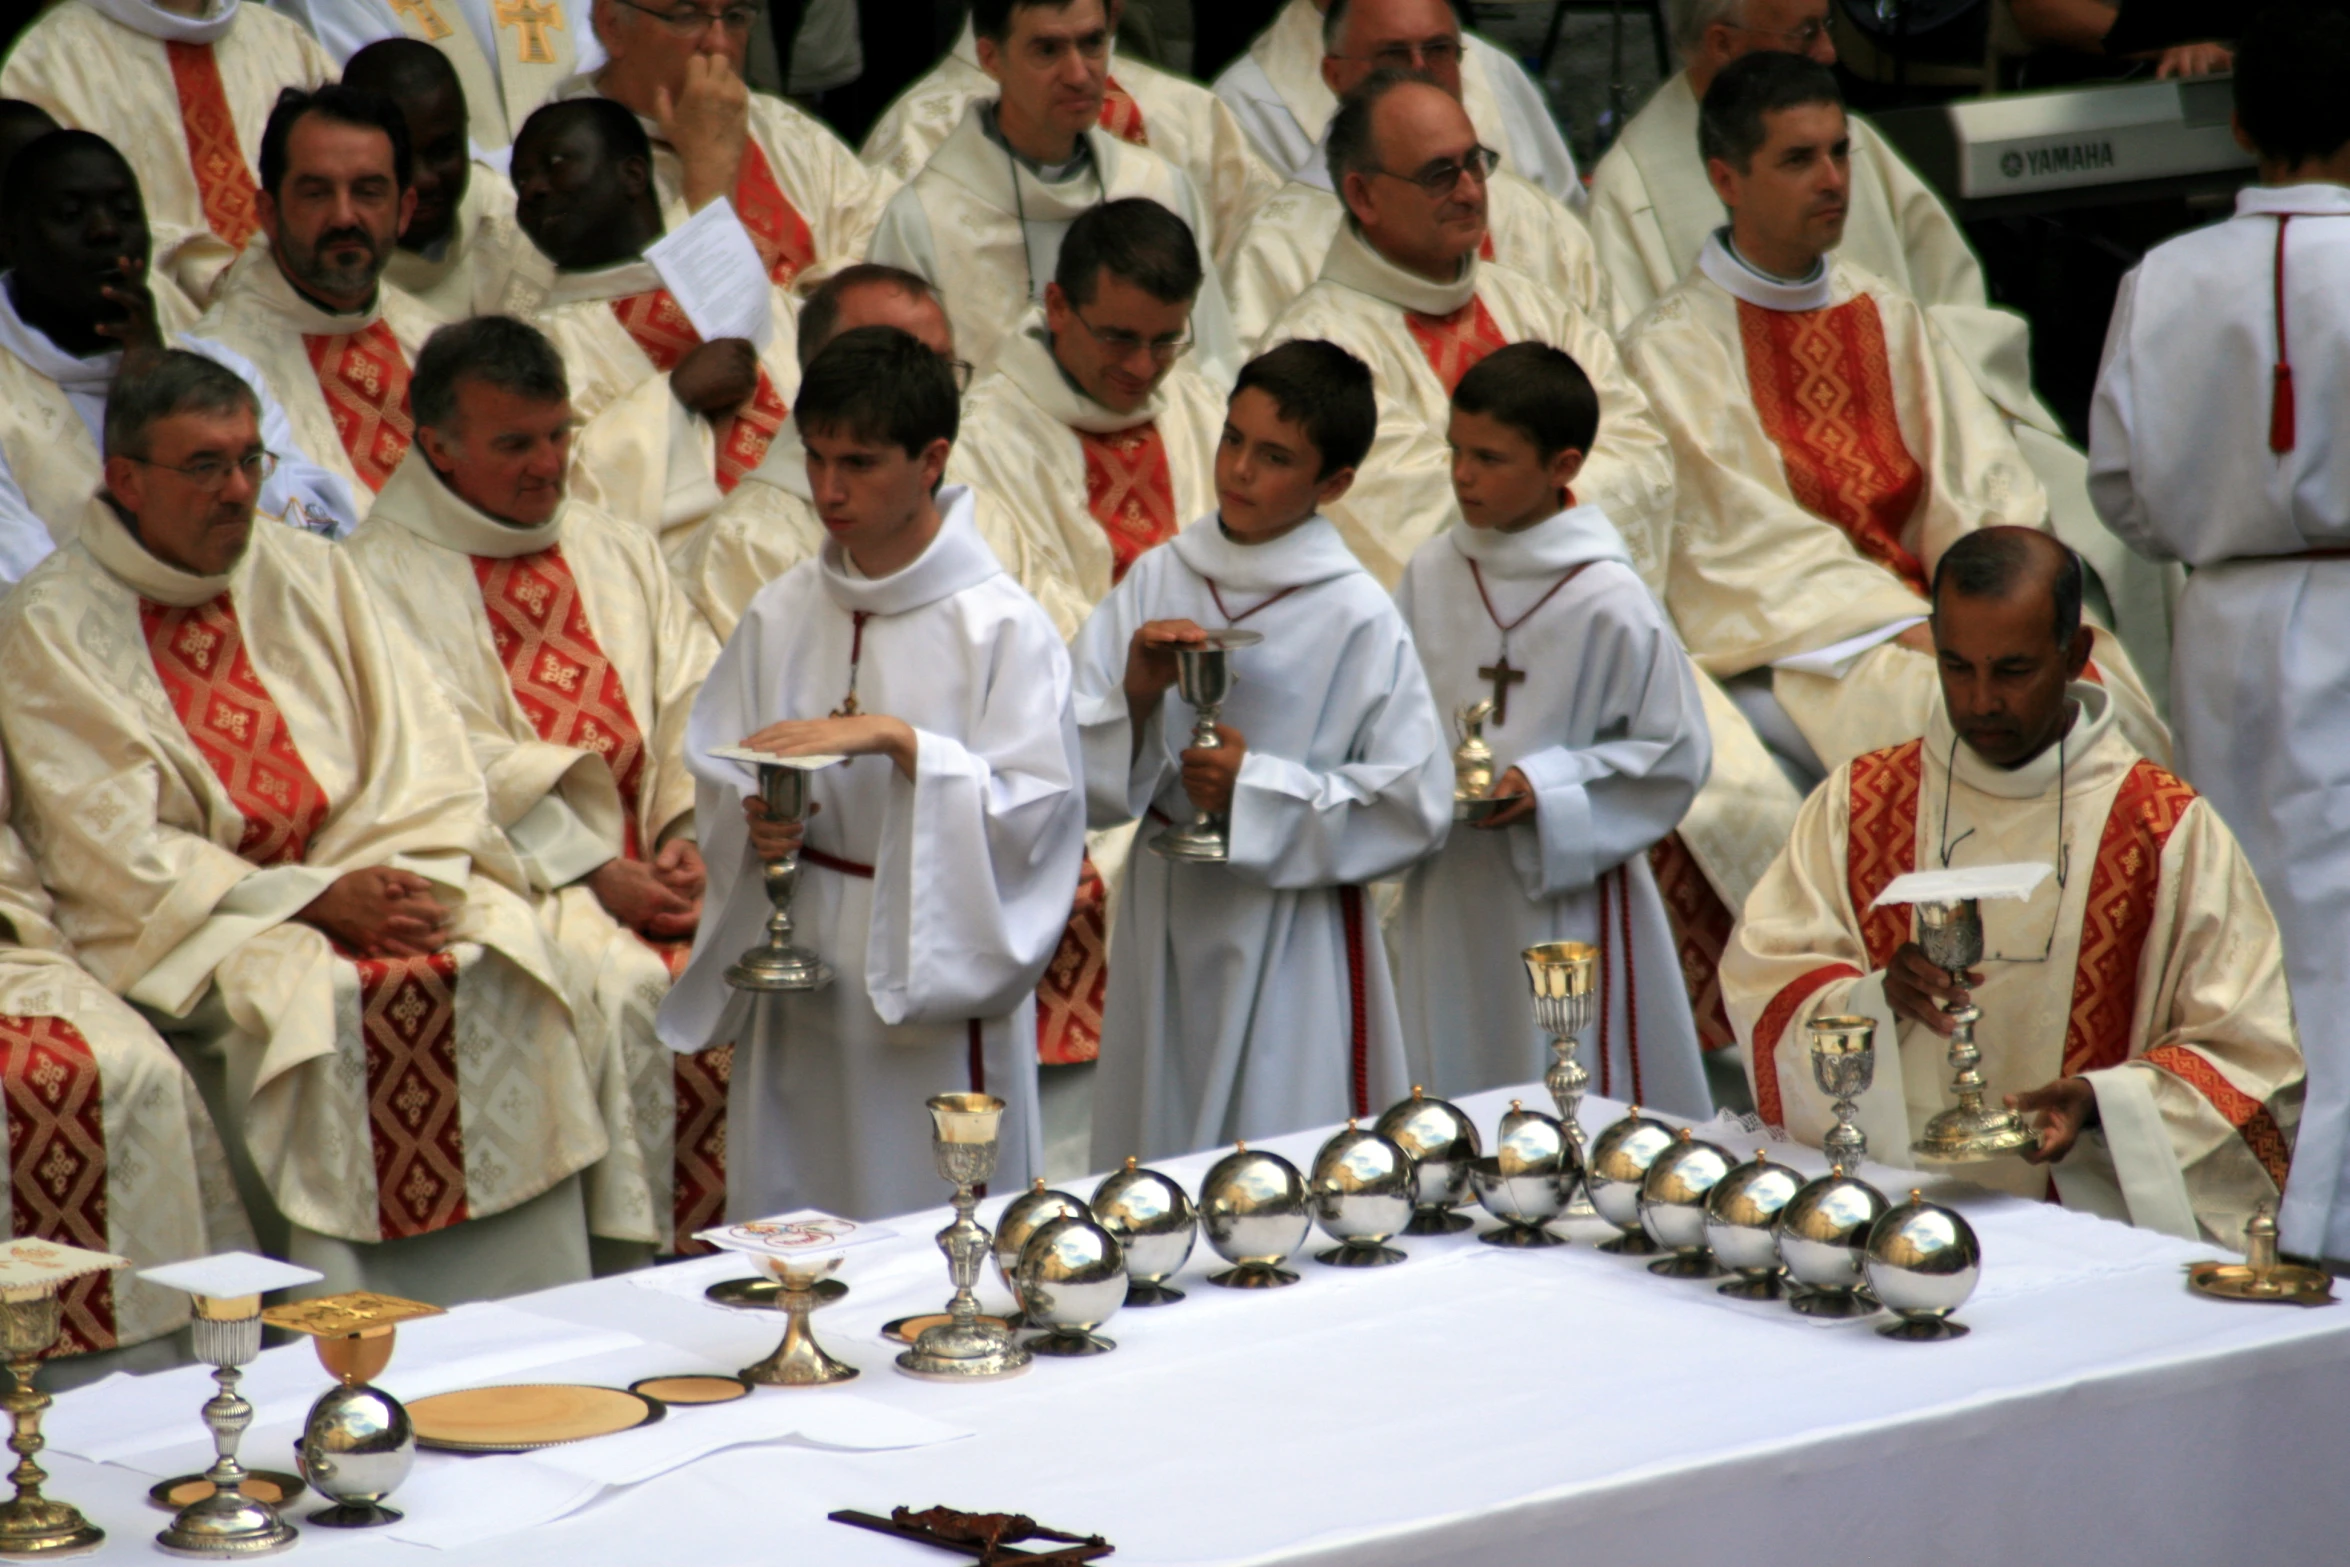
(2076, 157)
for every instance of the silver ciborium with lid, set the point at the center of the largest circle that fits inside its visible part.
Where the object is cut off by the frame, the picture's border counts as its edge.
(1255, 1207)
(1442, 1142)
(1072, 1278)
(1922, 1262)
(1363, 1185)
(1022, 1217)
(1672, 1205)
(1823, 1237)
(1565, 979)
(1620, 1157)
(1525, 1182)
(1153, 1219)
(1203, 673)
(1951, 933)
(1741, 1219)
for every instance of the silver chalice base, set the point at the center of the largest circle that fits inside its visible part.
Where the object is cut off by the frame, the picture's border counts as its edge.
(1923, 1328)
(778, 969)
(1192, 843)
(1832, 1303)
(947, 1354)
(1253, 1276)
(1360, 1254)
(226, 1523)
(1070, 1343)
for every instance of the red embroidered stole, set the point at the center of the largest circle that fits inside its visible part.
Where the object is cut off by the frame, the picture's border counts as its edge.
(1130, 489)
(658, 325)
(1880, 843)
(365, 379)
(408, 1006)
(57, 1162)
(1454, 344)
(1700, 923)
(1076, 983)
(224, 182)
(2119, 913)
(1823, 387)
(573, 697)
(777, 228)
(2246, 1114)
(1122, 116)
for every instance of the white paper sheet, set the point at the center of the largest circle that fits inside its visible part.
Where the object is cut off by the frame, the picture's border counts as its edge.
(2016, 882)
(713, 271)
(804, 1232)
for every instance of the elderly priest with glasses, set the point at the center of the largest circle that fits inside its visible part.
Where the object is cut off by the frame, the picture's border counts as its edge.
(266, 829)
(2135, 1006)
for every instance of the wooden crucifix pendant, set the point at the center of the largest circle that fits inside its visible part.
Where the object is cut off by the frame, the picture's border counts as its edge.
(1503, 677)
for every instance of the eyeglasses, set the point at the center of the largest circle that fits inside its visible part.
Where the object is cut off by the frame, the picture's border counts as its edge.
(692, 20)
(1442, 178)
(212, 473)
(1799, 40)
(1435, 54)
(1165, 350)
(962, 371)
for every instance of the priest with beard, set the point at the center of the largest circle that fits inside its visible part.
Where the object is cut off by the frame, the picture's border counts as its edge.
(263, 825)
(307, 304)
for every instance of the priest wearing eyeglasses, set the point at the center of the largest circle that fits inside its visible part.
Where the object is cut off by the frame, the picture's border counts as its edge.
(2135, 1006)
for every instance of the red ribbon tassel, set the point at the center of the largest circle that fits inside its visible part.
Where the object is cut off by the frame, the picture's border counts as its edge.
(2280, 395)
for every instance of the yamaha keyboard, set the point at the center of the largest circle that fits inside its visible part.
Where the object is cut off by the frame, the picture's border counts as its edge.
(2076, 145)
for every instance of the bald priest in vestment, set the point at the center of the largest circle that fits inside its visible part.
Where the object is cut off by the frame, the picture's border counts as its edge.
(574, 662)
(2135, 1006)
(1828, 446)
(184, 93)
(263, 825)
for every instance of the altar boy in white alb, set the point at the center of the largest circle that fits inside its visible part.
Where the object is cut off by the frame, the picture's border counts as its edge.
(2217, 438)
(938, 863)
(1252, 998)
(1532, 609)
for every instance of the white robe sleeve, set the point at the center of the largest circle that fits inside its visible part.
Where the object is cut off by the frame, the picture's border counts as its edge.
(1536, 151)
(1264, 119)
(300, 492)
(903, 239)
(24, 540)
(1388, 804)
(2113, 485)
(980, 849)
(1121, 777)
(1597, 806)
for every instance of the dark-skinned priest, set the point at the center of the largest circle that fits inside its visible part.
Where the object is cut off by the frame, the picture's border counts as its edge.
(265, 827)
(2134, 1006)
(573, 660)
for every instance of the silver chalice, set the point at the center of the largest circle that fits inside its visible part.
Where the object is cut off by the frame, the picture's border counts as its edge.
(779, 964)
(1844, 1063)
(1967, 1133)
(1203, 673)
(963, 1132)
(1565, 979)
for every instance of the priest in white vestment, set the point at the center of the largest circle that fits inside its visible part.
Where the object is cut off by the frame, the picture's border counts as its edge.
(1252, 997)
(1829, 445)
(264, 826)
(2134, 1006)
(76, 236)
(107, 1143)
(984, 219)
(1534, 630)
(935, 873)
(460, 254)
(1527, 229)
(769, 524)
(674, 422)
(678, 67)
(574, 662)
(509, 57)
(1175, 117)
(184, 91)
(306, 304)
(2215, 439)
(1283, 103)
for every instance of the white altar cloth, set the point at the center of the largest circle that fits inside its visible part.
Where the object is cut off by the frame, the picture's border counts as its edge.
(1472, 1405)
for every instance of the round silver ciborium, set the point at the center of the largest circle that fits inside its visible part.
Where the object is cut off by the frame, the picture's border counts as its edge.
(1072, 1277)
(1203, 673)
(963, 1131)
(799, 1361)
(357, 1445)
(1823, 1235)
(1442, 1142)
(1969, 1132)
(779, 964)
(1923, 1261)
(227, 1522)
(1741, 1220)
(1620, 1157)
(1672, 1205)
(1527, 1180)
(1256, 1210)
(1154, 1221)
(1364, 1188)
(1565, 978)
(1022, 1217)
(1844, 1063)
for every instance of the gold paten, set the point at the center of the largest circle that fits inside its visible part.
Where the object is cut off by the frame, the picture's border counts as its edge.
(2261, 1277)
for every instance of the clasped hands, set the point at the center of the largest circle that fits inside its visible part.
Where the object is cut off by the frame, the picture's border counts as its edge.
(1917, 990)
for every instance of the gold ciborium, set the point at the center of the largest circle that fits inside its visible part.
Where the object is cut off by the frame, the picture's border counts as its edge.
(31, 1274)
(1844, 1064)
(1951, 933)
(1472, 765)
(1565, 977)
(779, 964)
(357, 1444)
(963, 1131)
(1203, 673)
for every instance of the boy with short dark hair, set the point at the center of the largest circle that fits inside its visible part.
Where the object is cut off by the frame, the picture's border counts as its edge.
(1251, 997)
(1529, 609)
(936, 866)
